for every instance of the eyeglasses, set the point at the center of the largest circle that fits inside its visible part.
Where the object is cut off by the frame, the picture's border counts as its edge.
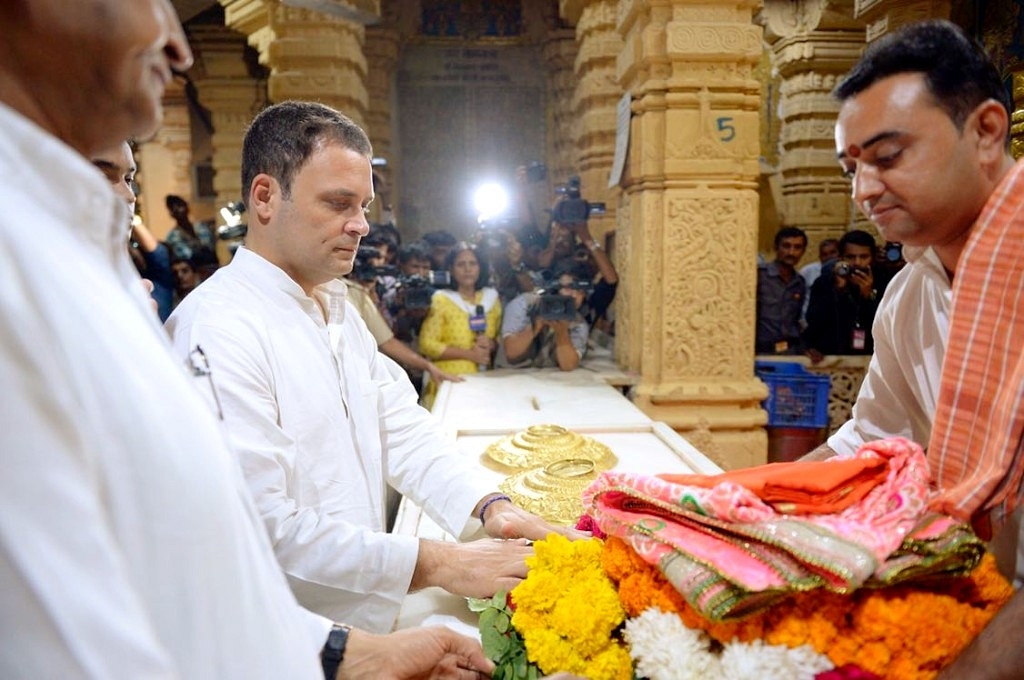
(199, 367)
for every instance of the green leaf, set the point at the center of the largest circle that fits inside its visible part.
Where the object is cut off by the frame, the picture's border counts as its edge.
(477, 604)
(502, 622)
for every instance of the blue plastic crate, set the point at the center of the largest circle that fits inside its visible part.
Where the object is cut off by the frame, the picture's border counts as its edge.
(796, 397)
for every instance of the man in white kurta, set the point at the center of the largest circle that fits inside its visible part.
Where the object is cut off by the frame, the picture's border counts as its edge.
(128, 545)
(310, 403)
(321, 421)
(901, 386)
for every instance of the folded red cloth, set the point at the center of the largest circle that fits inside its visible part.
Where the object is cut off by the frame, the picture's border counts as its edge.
(801, 487)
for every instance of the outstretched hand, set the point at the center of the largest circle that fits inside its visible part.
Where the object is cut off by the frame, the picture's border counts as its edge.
(412, 654)
(507, 520)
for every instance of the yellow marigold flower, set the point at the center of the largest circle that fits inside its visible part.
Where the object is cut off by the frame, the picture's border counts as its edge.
(567, 610)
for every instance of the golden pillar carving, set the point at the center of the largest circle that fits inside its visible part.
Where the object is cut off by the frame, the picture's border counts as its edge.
(313, 56)
(1017, 121)
(688, 224)
(559, 54)
(596, 96)
(814, 43)
(232, 96)
(884, 16)
(381, 47)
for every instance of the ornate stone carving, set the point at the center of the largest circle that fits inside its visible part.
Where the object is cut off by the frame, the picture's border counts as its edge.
(813, 43)
(691, 225)
(310, 55)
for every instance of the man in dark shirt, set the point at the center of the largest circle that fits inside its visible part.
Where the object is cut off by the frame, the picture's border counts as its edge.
(780, 295)
(844, 300)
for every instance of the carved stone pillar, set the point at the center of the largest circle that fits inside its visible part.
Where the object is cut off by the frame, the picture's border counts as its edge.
(165, 162)
(596, 96)
(381, 47)
(232, 96)
(814, 43)
(312, 55)
(688, 223)
(559, 53)
(884, 16)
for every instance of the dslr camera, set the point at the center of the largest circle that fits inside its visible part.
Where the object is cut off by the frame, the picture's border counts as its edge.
(845, 269)
(571, 208)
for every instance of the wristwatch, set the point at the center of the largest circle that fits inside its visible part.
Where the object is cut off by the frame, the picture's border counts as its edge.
(593, 245)
(334, 650)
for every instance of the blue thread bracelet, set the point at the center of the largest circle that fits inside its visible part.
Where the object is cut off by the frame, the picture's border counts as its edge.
(491, 500)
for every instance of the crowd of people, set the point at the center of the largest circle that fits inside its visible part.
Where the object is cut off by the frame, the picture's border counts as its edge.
(235, 525)
(828, 307)
(512, 295)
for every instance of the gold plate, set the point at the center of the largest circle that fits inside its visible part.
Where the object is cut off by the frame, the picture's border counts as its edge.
(553, 491)
(539, 445)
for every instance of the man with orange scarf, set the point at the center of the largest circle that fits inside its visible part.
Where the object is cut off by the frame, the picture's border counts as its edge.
(923, 134)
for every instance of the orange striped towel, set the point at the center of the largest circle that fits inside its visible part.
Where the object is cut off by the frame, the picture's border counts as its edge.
(975, 451)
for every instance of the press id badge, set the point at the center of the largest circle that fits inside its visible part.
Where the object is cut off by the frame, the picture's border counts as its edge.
(859, 339)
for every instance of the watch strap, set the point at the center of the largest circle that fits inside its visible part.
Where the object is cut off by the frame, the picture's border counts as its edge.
(334, 650)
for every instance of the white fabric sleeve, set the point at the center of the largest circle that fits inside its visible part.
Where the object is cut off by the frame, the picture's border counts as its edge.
(68, 603)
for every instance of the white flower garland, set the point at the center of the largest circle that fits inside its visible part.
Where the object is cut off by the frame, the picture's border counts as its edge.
(663, 648)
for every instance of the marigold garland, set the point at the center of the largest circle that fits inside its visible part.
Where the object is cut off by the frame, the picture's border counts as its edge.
(568, 610)
(898, 632)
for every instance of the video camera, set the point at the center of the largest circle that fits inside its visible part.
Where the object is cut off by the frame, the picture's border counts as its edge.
(552, 305)
(363, 270)
(417, 291)
(571, 208)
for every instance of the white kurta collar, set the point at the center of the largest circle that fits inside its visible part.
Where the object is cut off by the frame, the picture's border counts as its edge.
(326, 306)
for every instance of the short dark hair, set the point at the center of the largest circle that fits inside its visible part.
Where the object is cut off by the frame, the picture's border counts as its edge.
(790, 232)
(958, 73)
(375, 239)
(282, 137)
(857, 237)
(570, 267)
(417, 250)
(828, 242)
(453, 254)
(440, 238)
(173, 199)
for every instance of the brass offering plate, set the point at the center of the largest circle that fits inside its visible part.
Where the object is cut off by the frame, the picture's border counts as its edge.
(539, 445)
(554, 491)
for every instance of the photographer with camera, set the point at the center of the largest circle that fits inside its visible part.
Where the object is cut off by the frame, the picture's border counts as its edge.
(362, 293)
(547, 329)
(844, 300)
(500, 246)
(569, 226)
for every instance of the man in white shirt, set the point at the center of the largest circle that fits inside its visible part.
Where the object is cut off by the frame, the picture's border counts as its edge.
(323, 423)
(901, 386)
(128, 545)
